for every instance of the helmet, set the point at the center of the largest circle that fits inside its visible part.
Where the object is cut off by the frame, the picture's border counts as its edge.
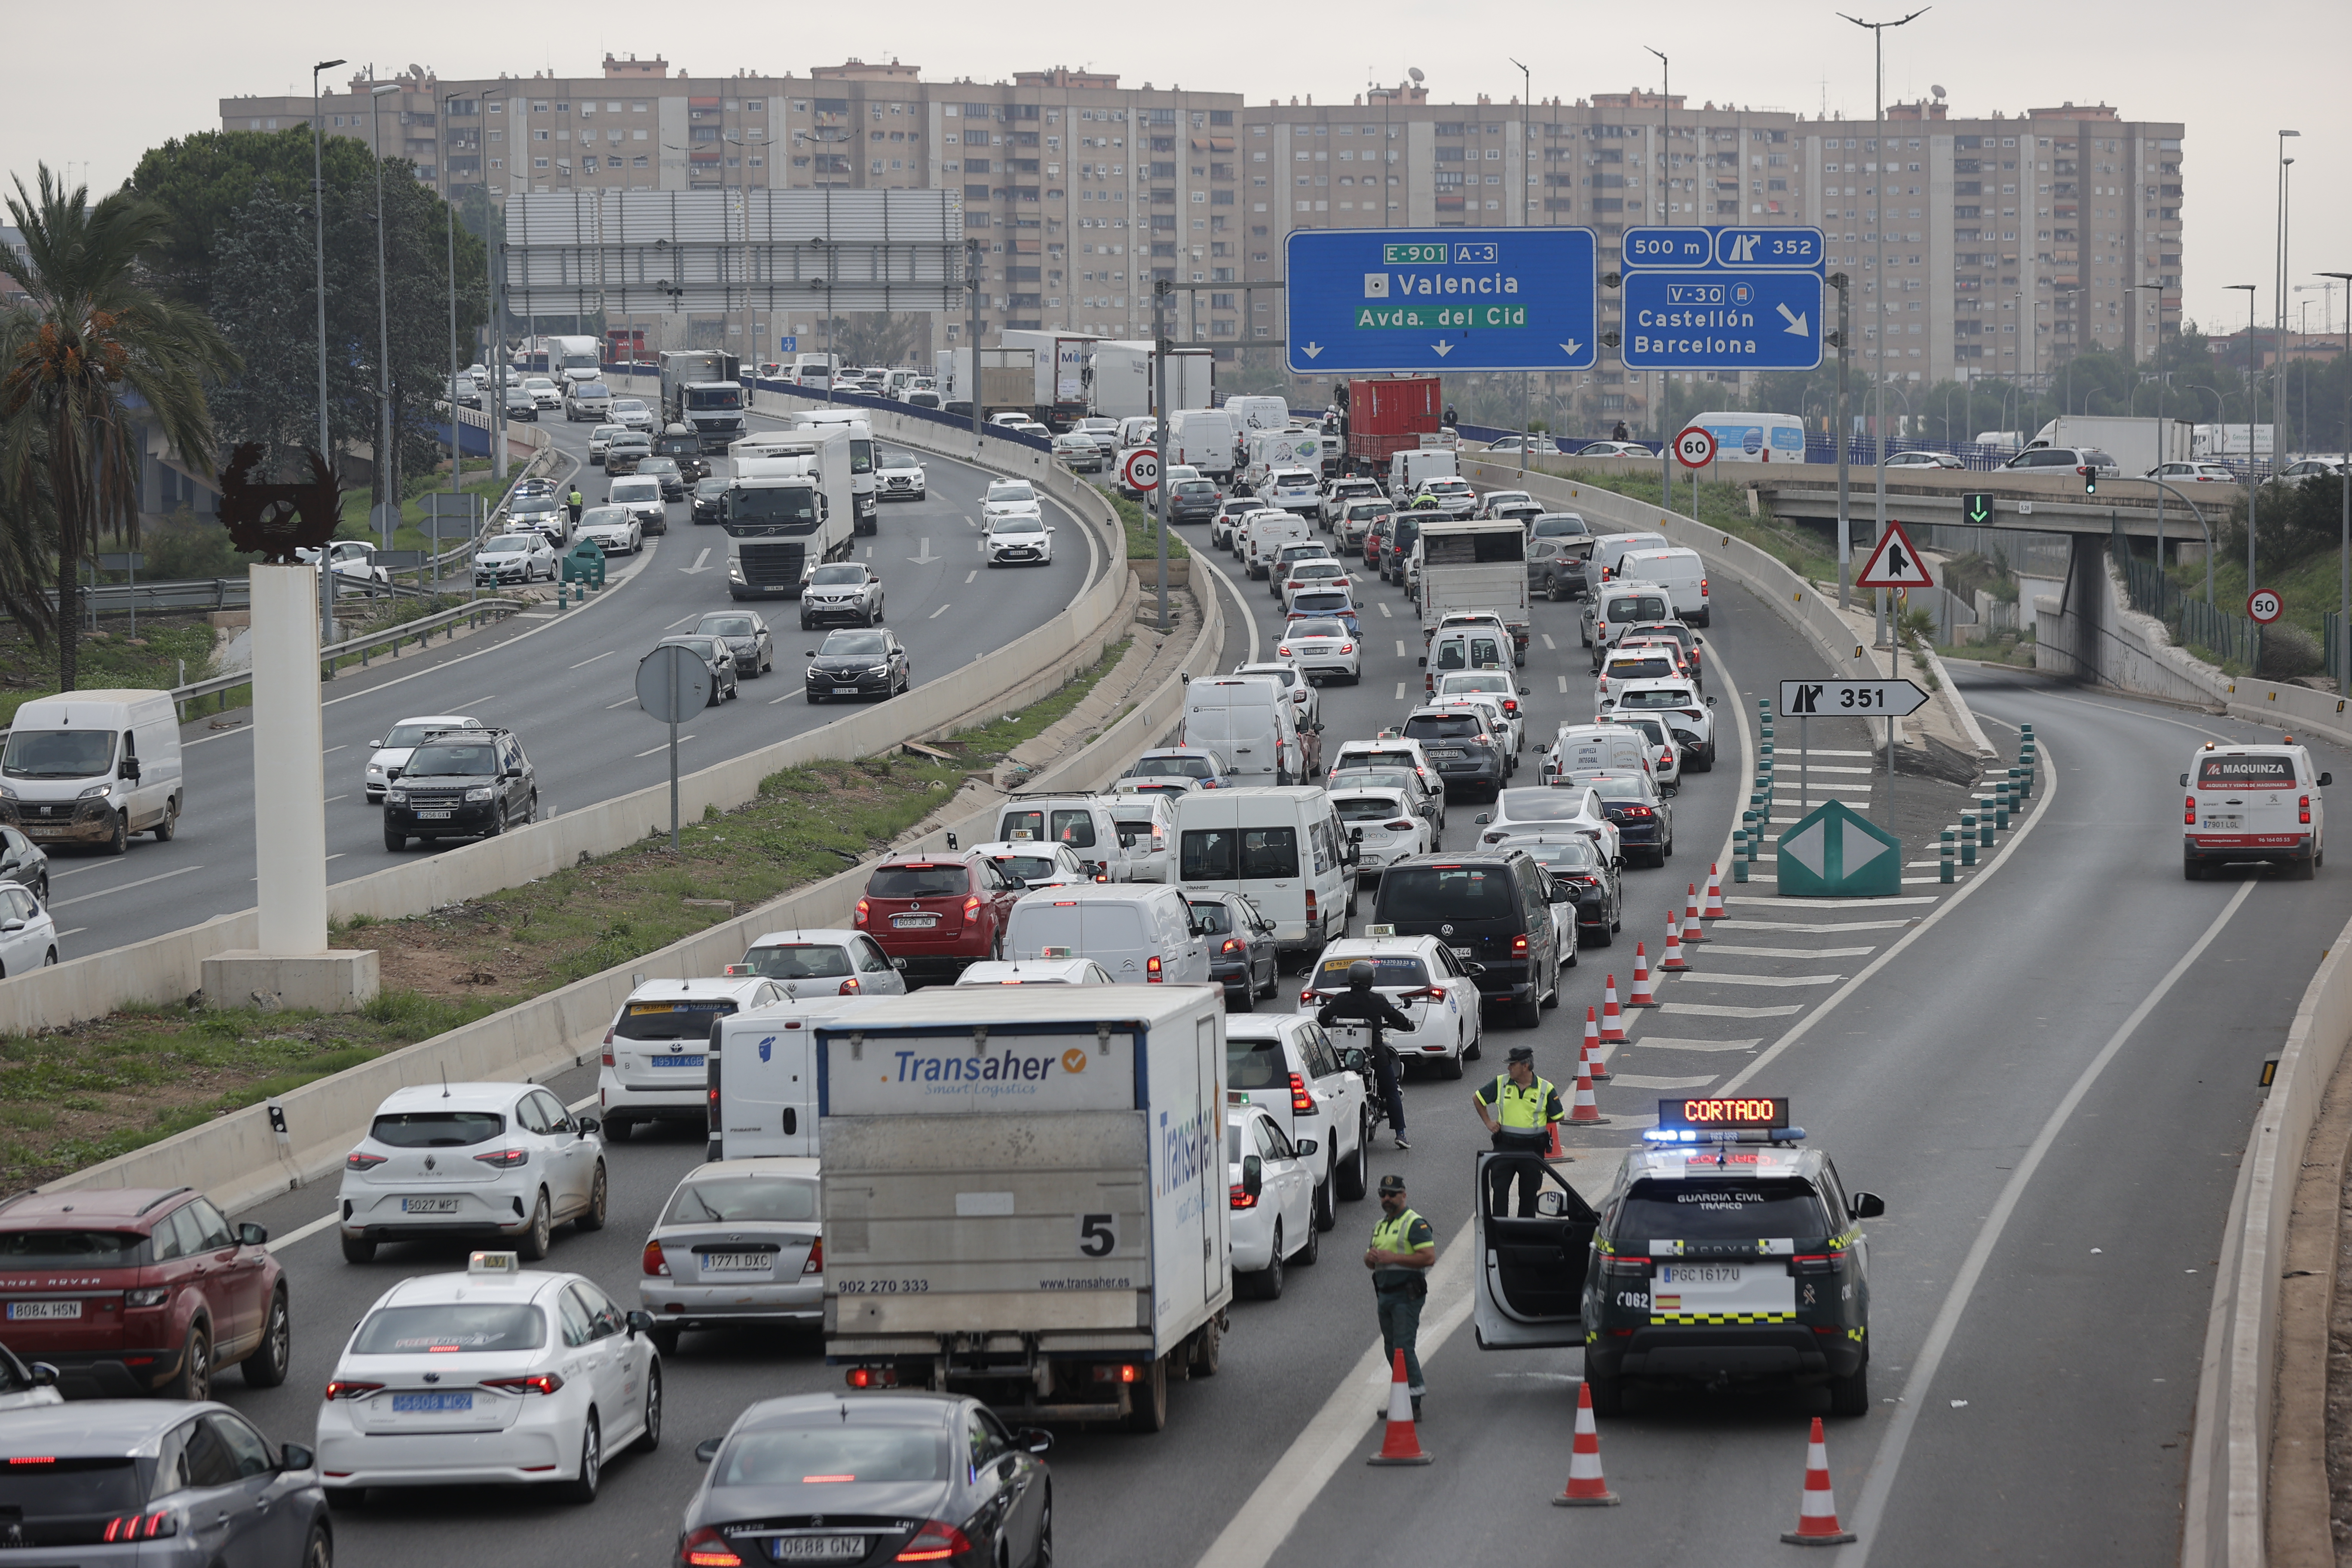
(1361, 975)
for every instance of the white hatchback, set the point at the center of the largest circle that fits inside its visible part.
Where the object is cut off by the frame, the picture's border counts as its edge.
(653, 1067)
(1423, 979)
(471, 1160)
(497, 1374)
(1270, 1184)
(616, 529)
(1384, 826)
(1018, 539)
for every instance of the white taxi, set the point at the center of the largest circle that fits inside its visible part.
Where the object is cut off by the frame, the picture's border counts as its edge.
(1423, 979)
(1039, 865)
(1270, 1188)
(497, 1374)
(2252, 804)
(652, 1067)
(446, 1161)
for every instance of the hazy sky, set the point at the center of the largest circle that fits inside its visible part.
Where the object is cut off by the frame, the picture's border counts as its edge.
(2235, 74)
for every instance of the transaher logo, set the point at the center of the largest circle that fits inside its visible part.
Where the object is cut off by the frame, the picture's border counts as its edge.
(1073, 1060)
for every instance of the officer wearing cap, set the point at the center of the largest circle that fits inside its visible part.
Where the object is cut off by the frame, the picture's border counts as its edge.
(1403, 1250)
(1362, 1005)
(1519, 1111)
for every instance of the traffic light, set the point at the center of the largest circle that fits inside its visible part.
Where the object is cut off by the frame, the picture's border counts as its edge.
(2090, 480)
(1977, 509)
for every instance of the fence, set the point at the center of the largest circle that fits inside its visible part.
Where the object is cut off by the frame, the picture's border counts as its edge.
(2232, 639)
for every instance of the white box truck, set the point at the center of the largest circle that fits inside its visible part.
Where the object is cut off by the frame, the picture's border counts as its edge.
(1475, 567)
(790, 508)
(1126, 379)
(1278, 449)
(2136, 444)
(861, 479)
(1409, 468)
(1062, 370)
(1025, 1194)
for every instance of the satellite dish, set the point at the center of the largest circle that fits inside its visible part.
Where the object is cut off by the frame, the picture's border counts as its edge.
(1937, 91)
(1414, 72)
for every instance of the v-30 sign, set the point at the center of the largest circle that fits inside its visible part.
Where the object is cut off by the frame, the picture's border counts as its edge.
(1850, 699)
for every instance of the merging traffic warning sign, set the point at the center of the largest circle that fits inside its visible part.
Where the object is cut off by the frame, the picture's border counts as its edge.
(1835, 852)
(1894, 563)
(1850, 699)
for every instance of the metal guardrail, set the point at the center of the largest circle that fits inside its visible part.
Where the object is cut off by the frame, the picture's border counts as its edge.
(421, 629)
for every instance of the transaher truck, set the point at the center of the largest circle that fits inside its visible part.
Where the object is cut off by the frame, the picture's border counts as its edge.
(699, 391)
(790, 508)
(1026, 1195)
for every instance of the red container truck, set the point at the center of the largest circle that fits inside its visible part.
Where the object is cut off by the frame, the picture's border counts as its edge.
(1391, 414)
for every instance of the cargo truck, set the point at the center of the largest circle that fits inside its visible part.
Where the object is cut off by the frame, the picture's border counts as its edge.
(1478, 567)
(699, 391)
(1389, 414)
(1026, 1195)
(789, 509)
(1008, 380)
(1062, 370)
(862, 478)
(1126, 379)
(2136, 444)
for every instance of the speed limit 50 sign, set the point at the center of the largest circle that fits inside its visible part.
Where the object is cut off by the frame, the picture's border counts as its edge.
(1141, 469)
(1695, 446)
(2263, 605)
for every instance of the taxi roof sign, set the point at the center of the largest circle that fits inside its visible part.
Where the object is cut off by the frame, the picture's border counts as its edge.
(506, 1264)
(1380, 930)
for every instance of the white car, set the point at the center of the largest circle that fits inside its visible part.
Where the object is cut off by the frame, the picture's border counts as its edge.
(1020, 539)
(1006, 497)
(28, 935)
(513, 558)
(1676, 702)
(1271, 1184)
(1453, 496)
(1284, 1063)
(1615, 450)
(1324, 649)
(2296, 473)
(1035, 972)
(472, 1160)
(1291, 489)
(1384, 826)
(616, 529)
(1311, 572)
(631, 414)
(1496, 684)
(1664, 758)
(1038, 865)
(899, 476)
(739, 1242)
(497, 1374)
(652, 1067)
(1923, 460)
(599, 439)
(1356, 520)
(815, 963)
(1491, 504)
(2220, 474)
(544, 392)
(1307, 704)
(389, 754)
(351, 560)
(1568, 807)
(1422, 979)
(1338, 493)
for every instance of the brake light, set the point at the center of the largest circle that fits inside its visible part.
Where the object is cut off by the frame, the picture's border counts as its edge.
(656, 1265)
(1636, 1268)
(935, 1542)
(1285, 652)
(341, 1389)
(1402, 825)
(355, 1161)
(1152, 975)
(153, 1526)
(1816, 1263)
(1347, 647)
(1236, 1198)
(706, 1548)
(1310, 909)
(505, 1158)
(859, 919)
(536, 1383)
(1301, 1102)
(1510, 704)
(972, 908)
(608, 1043)
(1519, 945)
(1639, 811)
(2188, 819)
(849, 987)
(1426, 994)
(1702, 587)
(2304, 806)
(1230, 944)
(816, 1264)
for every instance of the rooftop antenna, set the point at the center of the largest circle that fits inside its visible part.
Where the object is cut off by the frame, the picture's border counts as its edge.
(445, 1080)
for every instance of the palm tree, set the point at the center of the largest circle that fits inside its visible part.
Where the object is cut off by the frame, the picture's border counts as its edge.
(91, 348)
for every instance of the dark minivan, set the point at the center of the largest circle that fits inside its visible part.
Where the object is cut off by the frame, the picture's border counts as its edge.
(1491, 909)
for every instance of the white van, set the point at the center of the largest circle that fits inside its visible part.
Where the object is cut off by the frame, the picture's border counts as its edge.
(1084, 822)
(759, 1082)
(1142, 935)
(1679, 572)
(1609, 611)
(1258, 413)
(1284, 849)
(93, 767)
(1611, 548)
(1262, 533)
(1593, 748)
(1250, 723)
(1204, 438)
(1754, 438)
(1146, 831)
(2253, 802)
(1409, 468)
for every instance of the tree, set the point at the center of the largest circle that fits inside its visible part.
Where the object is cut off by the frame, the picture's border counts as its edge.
(270, 319)
(876, 337)
(91, 338)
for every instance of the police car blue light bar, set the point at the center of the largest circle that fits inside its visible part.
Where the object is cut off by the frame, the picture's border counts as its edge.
(1722, 1135)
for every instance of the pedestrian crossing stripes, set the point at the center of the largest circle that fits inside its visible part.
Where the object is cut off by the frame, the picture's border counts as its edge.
(1706, 1010)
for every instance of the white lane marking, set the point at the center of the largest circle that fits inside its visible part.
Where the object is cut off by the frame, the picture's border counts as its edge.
(1888, 1460)
(1690, 979)
(1563, 683)
(699, 561)
(591, 660)
(935, 614)
(1811, 929)
(1790, 758)
(1824, 750)
(624, 702)
(1833, 903)
(971, 575)
(1400, 647)
(1385, 613)
(1702, 1010)
(1669, 1043)
(475, 701)
(301, 1232)
(683, 619)
(143, 881)
(332, 798)
(1642, 1080)
(1718, 947)
(1399, 696)
(331, 751)
(1549, 646)
(682, 740)
(338, 855)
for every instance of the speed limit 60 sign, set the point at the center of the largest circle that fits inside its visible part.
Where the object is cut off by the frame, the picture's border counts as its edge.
(2263, 605)
(1694, 447)
(1141, 469)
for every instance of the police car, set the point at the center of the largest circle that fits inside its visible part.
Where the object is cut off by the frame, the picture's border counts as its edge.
(2252, 803)
(1422, 979)
(1724, 1251)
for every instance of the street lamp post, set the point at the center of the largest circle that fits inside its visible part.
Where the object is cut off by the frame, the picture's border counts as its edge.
(2344, 489)
(2160, 453)
(1527, 162)
(2254, 484)
(386, 478)
(319, 259)
(1842, 283)
(457, 447)
(1665, 162)
(2278, 306)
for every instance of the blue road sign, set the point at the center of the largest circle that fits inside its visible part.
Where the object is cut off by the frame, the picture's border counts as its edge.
(1722, 320)
(789, 344)
(1441, 300)
(1681, 247)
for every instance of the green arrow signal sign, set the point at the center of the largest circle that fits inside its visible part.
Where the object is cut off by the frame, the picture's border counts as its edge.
(1976, 509)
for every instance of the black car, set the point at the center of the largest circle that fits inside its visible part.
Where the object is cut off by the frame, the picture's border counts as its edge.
(1492, 908)
(667, 471)
(1194, 501)
(1555, 567)
(25, 863)
(1577, 862)
(466, 783)
(685, 451)
(1404, 530)
(716, 656)
(1644, 818)
(1468, 759)
(866, 663)
(521, 405)
(877, 1478)
(710, 499)
(1241, 946)
(746, 637)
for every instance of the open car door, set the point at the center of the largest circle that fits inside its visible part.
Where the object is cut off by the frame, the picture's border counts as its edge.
(1530, 1271)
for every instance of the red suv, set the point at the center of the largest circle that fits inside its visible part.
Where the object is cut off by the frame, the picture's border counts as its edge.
(938, 914)
(137, 1291)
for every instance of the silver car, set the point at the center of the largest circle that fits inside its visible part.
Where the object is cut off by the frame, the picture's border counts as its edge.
(739, 1242)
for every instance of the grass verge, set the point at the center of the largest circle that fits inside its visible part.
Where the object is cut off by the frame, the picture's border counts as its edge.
(1724, 508)
(74, 1096)
(1142, 544)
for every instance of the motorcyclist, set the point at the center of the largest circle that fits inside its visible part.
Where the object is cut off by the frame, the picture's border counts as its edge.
(1362, 1005)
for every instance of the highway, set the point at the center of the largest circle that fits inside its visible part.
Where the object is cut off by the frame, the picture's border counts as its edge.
(2048, 1071)
(564, 683)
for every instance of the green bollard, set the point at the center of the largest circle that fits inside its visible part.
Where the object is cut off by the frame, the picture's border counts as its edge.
(2000, 806)
(2017, 788)
(1944, 862)
(1969, 839)
(1751, 828)
(1739, 870)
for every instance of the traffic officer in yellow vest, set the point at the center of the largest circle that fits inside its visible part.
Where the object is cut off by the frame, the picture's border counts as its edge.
(1403, 1250)
(1519, 1110)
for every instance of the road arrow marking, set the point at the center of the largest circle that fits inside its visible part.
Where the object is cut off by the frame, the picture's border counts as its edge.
(699, 561)
(1441, 350)
(925, 558)
(1796, 322)
(1574, 348)
(1311, 350)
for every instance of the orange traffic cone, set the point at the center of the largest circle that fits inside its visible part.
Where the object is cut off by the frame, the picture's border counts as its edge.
(1643, 995)
(1586, 1110)
(1586, 1488)
(1692, 931)
(1714, 908)
(1588, 1060)
(1817, 1521)
(1673, 958)
(1401, 1445)
(1612, 1019)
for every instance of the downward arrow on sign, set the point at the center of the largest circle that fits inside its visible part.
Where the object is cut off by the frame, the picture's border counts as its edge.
(1572, 347)
(1796, 322)
(1441, 350)
(1310, 350)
